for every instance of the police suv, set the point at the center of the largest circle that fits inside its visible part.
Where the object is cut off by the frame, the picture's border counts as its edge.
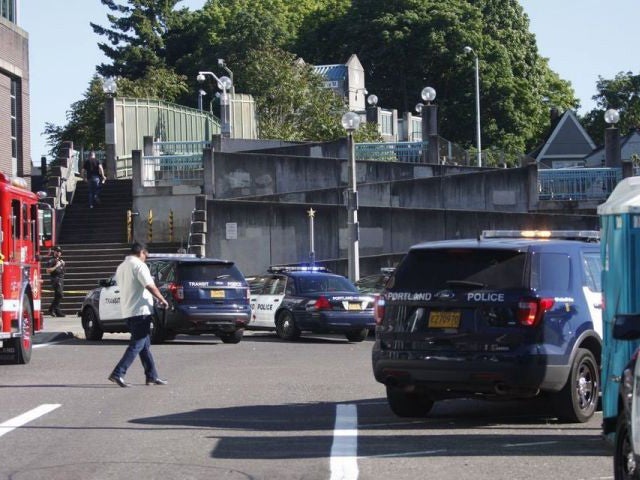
(291, 300)
(508, 315)
(205, 295)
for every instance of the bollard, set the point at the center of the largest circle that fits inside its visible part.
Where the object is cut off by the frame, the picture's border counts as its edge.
(150, 222)
(170, 226)
(129, 227)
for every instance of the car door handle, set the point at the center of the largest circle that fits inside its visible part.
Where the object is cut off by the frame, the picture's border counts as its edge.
(276, 300)
(116, 291)
(597, 305)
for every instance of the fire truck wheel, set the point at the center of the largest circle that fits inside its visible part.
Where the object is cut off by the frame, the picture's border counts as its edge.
(24, 344)
(92, 330)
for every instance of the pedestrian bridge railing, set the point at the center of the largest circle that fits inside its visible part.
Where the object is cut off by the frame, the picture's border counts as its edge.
(577, 183)
(170, 170)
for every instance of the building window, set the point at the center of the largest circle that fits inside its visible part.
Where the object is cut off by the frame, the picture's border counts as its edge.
(14, 125)
(8, 10)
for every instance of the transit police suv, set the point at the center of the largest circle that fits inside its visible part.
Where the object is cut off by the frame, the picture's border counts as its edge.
(291, 300)
(205, 295)
(507, 315)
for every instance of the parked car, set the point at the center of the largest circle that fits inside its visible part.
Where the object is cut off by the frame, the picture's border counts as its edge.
(509, 315)
(205, 296)
(375, 283)
(292, 300)
(626, 457)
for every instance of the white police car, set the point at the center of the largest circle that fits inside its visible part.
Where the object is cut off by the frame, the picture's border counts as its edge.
(291, 300)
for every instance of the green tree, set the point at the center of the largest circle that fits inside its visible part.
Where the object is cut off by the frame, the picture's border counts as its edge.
(291, 101)
(135, 39)
(85, 121)
(406, 45)
(622, 93)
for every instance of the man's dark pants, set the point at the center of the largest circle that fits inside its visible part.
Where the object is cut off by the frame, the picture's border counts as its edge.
(139, 344)
(58, 294)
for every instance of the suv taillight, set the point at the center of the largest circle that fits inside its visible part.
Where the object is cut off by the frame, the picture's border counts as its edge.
(177, 292)
(530, 310)
(378, 309)
(322, 304)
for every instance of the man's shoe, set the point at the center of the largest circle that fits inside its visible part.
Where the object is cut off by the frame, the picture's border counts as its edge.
(59, 314)
(119, 380)
(156, 381)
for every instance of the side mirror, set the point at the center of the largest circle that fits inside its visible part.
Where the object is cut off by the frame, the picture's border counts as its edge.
(626, 326)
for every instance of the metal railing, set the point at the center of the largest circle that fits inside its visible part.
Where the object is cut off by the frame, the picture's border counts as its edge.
(180, 148)
(169, 170)
(391, 152)
(577, 183)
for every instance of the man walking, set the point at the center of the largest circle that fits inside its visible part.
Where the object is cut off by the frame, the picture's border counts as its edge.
(137, 291)
(93, 173)
(55, 269)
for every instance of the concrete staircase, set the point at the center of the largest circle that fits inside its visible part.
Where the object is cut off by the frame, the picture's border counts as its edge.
(105, 223)
(94, 242)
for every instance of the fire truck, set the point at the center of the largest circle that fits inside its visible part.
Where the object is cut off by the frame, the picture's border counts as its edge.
(27, 228)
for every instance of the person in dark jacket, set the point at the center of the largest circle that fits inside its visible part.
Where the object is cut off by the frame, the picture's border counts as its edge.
(93, 173)
(55, 269)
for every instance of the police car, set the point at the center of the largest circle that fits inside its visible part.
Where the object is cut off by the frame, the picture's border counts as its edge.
(375, 283)
(508, 315)
(291, 300)
(205, 296)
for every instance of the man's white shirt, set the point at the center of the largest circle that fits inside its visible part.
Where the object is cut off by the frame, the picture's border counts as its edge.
(132, 276)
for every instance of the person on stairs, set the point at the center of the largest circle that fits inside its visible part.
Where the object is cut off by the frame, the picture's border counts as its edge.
(55, 269)
(93, 173)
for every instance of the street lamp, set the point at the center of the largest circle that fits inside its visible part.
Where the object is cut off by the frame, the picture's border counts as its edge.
(468, 50)
(110, 87)
(351, 122)
(201, 93)
(372, 109)
(429, 113)
(222, 64)
(224, 84)
(612, 153)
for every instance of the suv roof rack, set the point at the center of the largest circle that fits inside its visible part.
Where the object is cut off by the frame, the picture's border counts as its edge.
(297, 268)
(584, 235)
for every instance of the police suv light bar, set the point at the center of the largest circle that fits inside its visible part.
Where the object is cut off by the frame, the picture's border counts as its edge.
(172, 255)
(560, 234)
(296, 268)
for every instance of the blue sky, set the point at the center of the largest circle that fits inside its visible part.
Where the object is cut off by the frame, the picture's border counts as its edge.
(581, 38)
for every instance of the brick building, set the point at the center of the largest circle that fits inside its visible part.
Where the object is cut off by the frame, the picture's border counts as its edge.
(15, 153)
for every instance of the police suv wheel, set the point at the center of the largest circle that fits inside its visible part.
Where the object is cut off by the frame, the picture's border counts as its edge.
(91, 326)
(578, 399)
(408, 404)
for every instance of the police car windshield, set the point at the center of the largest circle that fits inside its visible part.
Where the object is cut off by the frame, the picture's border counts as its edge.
(432, 269)
(317, 283)
(201, 272)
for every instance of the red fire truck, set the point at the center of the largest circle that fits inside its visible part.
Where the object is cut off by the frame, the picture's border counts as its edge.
(27, 226)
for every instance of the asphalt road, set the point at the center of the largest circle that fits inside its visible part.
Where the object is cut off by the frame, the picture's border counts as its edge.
(263, 409)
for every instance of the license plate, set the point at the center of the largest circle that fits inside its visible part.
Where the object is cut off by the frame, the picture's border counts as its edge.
(217, 293)
(354, 306)
(444, 319)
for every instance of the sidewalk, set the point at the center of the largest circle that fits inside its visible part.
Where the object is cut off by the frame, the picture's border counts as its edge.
(59, 328)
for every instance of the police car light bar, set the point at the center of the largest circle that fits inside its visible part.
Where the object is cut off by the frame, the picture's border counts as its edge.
(587, 235)
(172, 255)
(296, 268)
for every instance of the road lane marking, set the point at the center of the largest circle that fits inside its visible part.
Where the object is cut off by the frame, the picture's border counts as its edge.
(530, 444)
(27, 417)
(344, 451)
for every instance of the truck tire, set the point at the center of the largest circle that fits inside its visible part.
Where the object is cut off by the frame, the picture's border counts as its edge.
(23, 345)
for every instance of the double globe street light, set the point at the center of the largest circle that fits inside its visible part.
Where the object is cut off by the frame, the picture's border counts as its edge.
(224, 84)
(351, 122)
(469, 50)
